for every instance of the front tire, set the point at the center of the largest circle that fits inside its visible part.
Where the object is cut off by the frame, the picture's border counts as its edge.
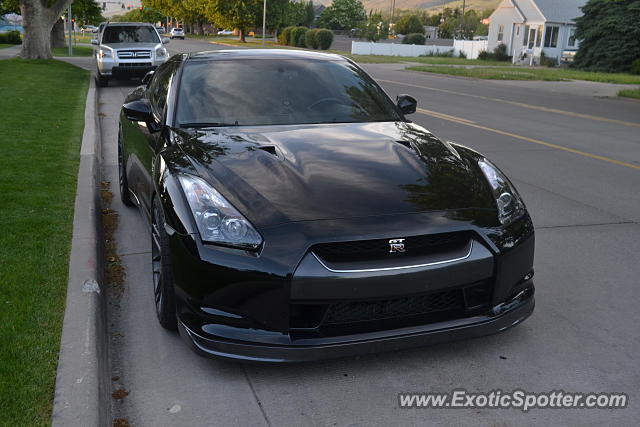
(101, 80)
(163, 292)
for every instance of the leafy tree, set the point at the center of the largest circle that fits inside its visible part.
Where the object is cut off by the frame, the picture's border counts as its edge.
(343, 14)
(136, 15)
(375, 28)
(87, 12)
(310, 14)
(409, 24)
(238, 14)
(609, 34)
(38, 18)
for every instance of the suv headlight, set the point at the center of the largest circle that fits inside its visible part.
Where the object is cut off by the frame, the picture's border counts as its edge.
(510, 205)
(161, 52)
(104, 53)
(217, 220)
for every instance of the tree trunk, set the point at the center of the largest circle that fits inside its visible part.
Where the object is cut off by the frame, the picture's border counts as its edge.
(57, 34)
(243, 35)
(38, 21)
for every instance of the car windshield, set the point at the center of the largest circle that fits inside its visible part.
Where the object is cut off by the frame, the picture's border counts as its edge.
(279, 92)
(129, 34)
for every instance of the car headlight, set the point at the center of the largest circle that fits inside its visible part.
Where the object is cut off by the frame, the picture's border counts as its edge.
(104, 53)
(160, 52)
(510, 205)
(217, 220)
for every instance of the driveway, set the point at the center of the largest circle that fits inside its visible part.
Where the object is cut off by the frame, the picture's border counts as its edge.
(575, 159)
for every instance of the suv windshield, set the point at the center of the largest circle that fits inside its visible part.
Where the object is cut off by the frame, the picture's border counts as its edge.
(129, 34)
(279, 92)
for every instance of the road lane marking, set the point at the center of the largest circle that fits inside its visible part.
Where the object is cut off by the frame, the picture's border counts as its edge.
(519, 104)
(443, 116)
(526, 138)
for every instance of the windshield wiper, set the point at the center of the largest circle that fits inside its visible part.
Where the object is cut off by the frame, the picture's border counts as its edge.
(206, 125)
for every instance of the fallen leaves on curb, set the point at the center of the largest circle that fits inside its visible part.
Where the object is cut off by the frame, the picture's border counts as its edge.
(120, 394)
(120, 422)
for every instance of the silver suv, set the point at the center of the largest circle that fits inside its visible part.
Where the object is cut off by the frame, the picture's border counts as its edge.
(128, 49)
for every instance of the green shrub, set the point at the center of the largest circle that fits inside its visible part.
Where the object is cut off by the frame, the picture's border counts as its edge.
(10, 37)
(500, 53)
(283, 37)
(547, 61)
(414, 38)
(462, 55)
(302, 37)
(294, 35)
(485, 56)
(432, 53)
(635, 67)
(310, 39)
(324, 38)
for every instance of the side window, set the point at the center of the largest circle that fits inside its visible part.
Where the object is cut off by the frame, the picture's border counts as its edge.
(159, 87)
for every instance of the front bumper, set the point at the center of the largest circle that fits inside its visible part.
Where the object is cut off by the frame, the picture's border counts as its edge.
(500, 318)
(127, 69)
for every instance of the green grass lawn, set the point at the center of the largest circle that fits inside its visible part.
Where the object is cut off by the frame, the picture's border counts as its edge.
(630, 93)
(4, 45)
(526, 73)
(42, 106)
(77, 51)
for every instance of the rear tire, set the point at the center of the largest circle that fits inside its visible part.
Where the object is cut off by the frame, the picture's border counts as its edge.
(163, 292)
(125, 195)
(101, 80)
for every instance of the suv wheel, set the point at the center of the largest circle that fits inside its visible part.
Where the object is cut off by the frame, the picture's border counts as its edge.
(163, 292)
(102, 81)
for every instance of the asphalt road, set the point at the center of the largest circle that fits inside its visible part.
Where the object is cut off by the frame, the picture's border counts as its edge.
(575, 159)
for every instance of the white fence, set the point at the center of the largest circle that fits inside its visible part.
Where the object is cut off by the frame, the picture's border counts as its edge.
(470, 48)
(394, 49)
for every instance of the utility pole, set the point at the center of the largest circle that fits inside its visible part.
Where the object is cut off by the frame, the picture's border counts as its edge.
(70, 26)
(264, 22)
(393, 10)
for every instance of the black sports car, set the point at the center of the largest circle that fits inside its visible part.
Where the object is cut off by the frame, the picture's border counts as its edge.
(296, 214)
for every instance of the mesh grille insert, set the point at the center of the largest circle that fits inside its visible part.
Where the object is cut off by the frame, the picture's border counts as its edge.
(358, 311)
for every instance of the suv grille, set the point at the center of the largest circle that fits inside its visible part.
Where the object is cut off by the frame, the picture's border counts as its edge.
(362, 250)
(134, 54)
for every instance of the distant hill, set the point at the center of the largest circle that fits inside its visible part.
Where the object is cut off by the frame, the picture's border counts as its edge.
(432, 5)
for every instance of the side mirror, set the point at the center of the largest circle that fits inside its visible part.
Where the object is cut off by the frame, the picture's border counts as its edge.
(140, 111)
(165, 40)
(407, 104)
(94, 41)
(147, 77)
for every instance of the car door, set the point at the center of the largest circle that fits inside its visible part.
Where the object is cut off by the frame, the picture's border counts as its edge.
(146, 147)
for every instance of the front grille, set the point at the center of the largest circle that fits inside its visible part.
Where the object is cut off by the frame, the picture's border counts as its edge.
(135, 64)
(359, 311)
(362, 250)
(130, 54)
(421, 309)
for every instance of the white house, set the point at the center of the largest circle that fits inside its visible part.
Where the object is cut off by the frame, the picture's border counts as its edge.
(534, 26)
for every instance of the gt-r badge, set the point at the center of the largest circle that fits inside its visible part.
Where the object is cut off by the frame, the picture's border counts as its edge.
(396, 245)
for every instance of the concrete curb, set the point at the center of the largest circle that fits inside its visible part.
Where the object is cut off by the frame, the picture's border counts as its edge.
(82, 387)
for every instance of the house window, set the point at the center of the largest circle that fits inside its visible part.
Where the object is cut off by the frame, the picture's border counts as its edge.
(572, 38)
(539, 36)
(526, 36)
(551, 36)
(500, 32)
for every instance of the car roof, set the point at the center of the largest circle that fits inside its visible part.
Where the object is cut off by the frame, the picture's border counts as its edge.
(224, 55)
(136, 24)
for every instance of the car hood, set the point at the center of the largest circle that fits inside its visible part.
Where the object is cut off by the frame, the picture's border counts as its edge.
(128, 46)
(279, 174)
